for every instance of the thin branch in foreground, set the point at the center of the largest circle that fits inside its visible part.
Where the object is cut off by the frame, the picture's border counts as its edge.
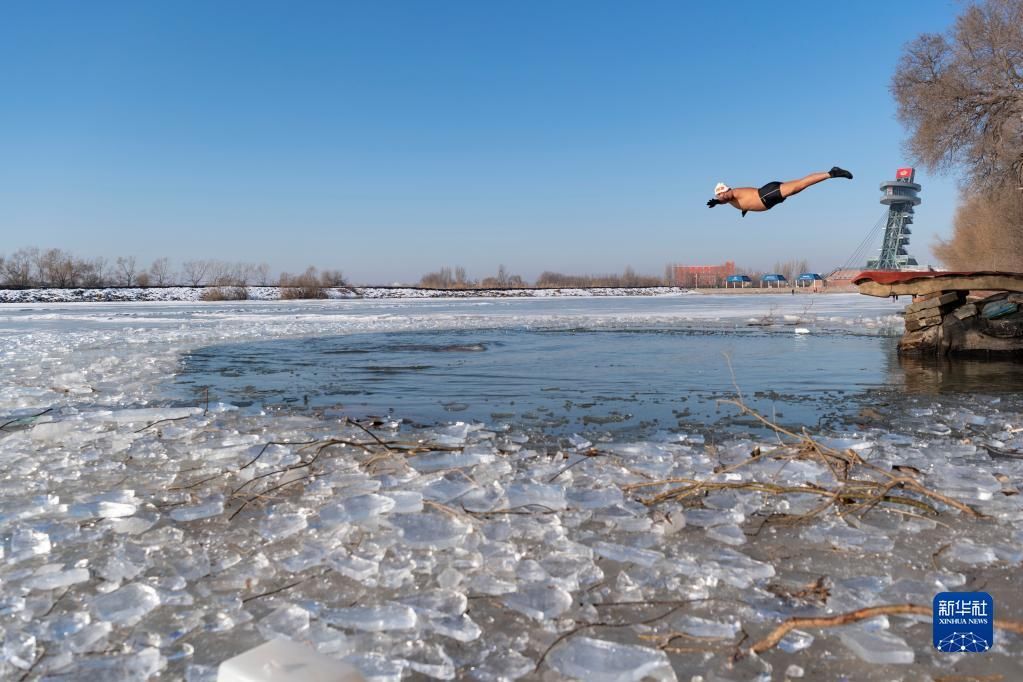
(278, 590)
(28, 673)
(584, 626)
(161, 421)
(675, 605)
(273, 442)
(27, 416)
(776, 635)
(368, 432)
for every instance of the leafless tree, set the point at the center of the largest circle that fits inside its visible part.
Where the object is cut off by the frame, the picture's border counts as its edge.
(241, 274)
(262, 274)
(306, 285)
(195, 271)
(126, 268)
(332, 278)
(442, 279)
(160, 272)
(503, 279)
(462, 280)
(987, 234)
(961, 95)
(18, 268)
(94, 273)
(218, 273)
(56, 268)
(792, 268)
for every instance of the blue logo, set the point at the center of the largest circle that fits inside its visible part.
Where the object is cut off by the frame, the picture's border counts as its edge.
(964, 622)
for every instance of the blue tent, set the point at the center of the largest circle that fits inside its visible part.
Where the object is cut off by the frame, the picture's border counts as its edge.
(809, 279)
(737, 280)
(773, 278)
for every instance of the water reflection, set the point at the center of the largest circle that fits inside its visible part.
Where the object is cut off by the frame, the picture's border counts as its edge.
(959, 375)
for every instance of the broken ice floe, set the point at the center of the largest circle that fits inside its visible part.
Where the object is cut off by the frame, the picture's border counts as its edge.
(121, 556)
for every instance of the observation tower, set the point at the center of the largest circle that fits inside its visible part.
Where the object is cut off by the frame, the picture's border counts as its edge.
(900, 195)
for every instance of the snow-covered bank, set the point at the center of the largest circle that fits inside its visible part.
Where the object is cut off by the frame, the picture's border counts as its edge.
(194, 294)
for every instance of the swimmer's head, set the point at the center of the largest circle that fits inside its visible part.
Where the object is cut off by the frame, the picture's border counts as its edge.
(721, 188)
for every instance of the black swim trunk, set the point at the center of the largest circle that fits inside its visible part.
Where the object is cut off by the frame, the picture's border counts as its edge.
(770, 194)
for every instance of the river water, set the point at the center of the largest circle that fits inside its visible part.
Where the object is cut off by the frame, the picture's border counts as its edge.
(623, 366)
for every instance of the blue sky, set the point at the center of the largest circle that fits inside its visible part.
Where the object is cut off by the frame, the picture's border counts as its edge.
(390, 138)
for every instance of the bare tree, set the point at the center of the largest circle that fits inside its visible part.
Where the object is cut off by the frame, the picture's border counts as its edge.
(960, 95)
(502, 280)
(442, 279)
(306, 285)
(18, 269)
(262, 274)
(56, 268)
(221, 273)
(987, 234)
(462, 280)
(94, 273)
(792, 268)
(195, 271)
(125, 268)
(332, 278)
(241, 274)
(160, 272)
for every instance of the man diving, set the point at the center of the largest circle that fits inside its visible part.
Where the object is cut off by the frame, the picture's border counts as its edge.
(748, 199)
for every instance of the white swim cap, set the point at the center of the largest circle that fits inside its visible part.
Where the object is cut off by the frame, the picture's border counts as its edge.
(721, 188)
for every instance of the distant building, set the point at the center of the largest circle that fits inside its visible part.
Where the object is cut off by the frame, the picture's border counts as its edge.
(701, 276)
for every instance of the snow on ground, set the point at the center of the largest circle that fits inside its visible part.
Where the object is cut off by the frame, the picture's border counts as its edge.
(255, 293)
(141, 539)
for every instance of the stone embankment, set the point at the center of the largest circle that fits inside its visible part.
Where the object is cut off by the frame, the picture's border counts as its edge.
(955, 313)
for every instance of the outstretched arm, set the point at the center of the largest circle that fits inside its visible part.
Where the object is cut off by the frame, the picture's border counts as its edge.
(722, 198)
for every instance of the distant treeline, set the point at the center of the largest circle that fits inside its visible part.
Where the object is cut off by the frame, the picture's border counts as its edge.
(33, 267)
(57, 268)
(456, 278)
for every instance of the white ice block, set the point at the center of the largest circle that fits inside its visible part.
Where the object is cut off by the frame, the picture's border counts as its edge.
(282, 661)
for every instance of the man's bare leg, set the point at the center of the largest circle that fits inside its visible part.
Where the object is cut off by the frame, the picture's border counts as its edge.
(796, 186)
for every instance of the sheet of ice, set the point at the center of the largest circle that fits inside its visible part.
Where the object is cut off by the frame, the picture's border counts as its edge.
(539, 601)
(877, 646)
(214, 506)
(625, 554)
(429, 530)
(126, 605)
(599, 660)
(53, 579)
(372, 618)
